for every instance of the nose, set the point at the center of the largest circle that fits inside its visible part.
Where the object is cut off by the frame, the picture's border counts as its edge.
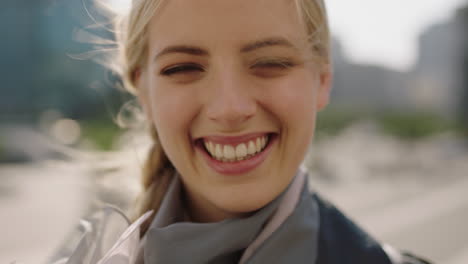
(230, 103)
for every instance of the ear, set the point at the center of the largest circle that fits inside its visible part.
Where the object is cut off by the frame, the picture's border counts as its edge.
(325, 84)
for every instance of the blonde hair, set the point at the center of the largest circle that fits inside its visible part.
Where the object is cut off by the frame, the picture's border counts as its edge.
(132, 38)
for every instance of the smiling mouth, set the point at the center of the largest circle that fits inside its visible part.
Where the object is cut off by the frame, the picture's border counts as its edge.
(229, 153)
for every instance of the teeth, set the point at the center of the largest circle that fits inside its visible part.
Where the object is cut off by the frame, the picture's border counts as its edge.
(241, 151)
(210, 147)
(218, 152)
(228, 153)
(258, 144)
(252, 148)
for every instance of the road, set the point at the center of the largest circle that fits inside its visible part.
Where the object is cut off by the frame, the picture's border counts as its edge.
(428, 220)
(42, 202)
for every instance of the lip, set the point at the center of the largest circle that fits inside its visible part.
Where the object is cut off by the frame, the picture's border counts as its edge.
(237, 167)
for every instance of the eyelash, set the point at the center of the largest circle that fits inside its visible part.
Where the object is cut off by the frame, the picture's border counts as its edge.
(191, 67)
(274, 64)
(181, 68)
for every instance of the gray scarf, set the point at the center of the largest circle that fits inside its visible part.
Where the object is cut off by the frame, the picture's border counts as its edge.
(170, 240)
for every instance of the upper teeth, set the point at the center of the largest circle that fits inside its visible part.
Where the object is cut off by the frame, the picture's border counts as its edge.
(238, 152)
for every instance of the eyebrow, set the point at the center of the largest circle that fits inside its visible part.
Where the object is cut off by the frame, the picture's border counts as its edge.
(196, 51)
(268, 42)
(191, 50)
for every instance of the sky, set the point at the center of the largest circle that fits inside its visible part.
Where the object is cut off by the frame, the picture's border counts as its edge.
(383, 32)
(386, 32)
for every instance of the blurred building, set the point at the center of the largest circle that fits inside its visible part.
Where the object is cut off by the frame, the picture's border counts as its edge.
(437, 75)
(437, 83)
(366, 87)
(37, 71)
(462, 22)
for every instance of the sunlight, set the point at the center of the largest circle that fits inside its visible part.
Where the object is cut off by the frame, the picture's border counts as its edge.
(370, 32)
(119, 6)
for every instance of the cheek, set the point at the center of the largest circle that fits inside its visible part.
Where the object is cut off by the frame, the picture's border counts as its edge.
(172, 117)
(294, 106)
(293, 101)
(172, 112)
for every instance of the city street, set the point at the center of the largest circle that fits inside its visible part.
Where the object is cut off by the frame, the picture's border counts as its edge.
(428, 221)
(423, 208)
(40, 204)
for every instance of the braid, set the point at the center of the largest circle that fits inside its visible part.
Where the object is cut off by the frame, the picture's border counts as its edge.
(157, 174)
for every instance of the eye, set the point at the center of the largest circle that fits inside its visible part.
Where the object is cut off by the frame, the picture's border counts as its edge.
(187, 68)
(274, 64)
(272, 67)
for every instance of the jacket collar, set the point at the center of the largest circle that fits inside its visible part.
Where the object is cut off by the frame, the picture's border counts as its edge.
(130, 247)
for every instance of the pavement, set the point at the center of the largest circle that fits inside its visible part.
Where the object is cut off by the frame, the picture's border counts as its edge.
(40, 204)
(414, 197)
(429, 221)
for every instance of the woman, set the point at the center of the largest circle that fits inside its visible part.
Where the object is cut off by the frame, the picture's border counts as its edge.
(231, 90)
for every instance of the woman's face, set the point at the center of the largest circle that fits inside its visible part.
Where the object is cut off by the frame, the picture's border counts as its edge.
(233, 93)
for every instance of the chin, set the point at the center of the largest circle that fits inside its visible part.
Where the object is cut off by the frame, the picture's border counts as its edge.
(244, 201)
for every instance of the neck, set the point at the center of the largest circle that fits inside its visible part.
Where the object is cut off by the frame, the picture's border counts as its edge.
(204, 212)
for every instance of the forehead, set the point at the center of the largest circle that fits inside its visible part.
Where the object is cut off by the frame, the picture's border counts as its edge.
(224, 23)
